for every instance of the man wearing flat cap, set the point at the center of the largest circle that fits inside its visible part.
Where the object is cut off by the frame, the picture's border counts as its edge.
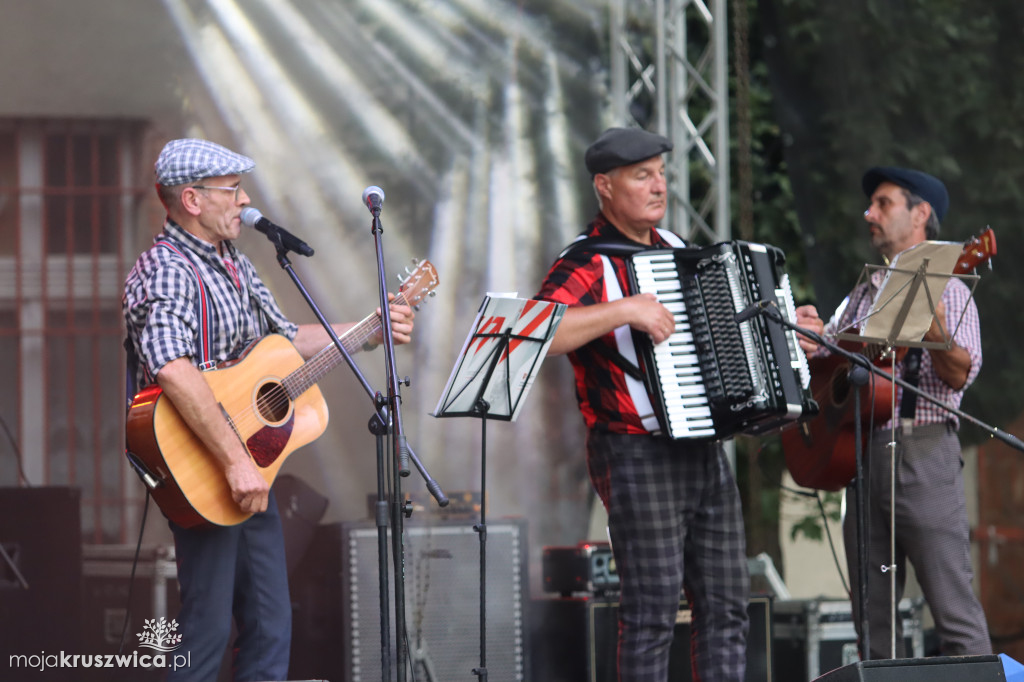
(932, 531)
(674, 514)
(191, 302)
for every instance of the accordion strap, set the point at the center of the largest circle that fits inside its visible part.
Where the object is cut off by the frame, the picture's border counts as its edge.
(619, 360)
(624, 355)
(603, 246)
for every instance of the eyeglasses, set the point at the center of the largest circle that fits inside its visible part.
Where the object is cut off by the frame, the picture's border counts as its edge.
(236, 189)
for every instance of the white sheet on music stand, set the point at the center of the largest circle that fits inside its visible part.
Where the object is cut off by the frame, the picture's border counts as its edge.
(942, 258)
(535, 319)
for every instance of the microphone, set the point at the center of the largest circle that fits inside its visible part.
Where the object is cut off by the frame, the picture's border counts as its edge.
(251, 217)
(751, 310)
(373, 197)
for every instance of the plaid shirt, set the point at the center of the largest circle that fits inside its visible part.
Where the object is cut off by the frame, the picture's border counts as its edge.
(958, 301)
(578, 279)
(162, 304)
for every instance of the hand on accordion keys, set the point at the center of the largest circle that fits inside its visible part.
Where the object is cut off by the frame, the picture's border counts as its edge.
(649, 315)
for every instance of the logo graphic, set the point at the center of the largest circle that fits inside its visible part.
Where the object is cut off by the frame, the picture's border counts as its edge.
(160, 634)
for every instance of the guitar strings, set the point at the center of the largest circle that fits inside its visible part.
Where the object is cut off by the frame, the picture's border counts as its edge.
(277, 398)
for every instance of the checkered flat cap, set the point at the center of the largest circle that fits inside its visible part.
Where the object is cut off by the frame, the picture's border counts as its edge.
(189, 160)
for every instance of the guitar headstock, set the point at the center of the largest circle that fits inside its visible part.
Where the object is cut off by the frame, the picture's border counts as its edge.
(977, 250)
(420, 282)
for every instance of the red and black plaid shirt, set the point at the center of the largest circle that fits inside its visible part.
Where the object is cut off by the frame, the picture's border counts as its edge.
(578, 279)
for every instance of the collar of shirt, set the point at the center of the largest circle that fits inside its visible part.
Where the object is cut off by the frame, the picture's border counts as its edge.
(208, 251)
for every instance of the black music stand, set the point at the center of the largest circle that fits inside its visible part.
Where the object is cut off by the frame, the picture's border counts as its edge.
(900, 316)
(492, 375)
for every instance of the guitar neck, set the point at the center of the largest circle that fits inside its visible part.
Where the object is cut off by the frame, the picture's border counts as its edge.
(317, 367)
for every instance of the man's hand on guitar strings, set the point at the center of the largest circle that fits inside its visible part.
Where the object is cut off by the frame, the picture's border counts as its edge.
(807, 317)
(249, 490)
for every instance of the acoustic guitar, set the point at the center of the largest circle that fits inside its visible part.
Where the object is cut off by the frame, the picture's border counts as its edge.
(268, 395)
(821, 452)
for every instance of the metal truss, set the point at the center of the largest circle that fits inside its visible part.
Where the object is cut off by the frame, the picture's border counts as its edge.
(669, 73)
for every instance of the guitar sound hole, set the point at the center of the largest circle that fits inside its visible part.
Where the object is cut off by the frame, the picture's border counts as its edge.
(272, 402)
(840, 388)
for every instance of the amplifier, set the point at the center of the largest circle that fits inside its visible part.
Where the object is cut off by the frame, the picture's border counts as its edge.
(442, 600)
(40, 531)
(575, 640)
(587, 567)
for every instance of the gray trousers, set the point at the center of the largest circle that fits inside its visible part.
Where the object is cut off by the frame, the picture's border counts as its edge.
(932, 532)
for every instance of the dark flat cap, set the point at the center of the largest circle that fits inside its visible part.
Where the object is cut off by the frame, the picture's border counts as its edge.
(189, 160)
(928, 187)
(623, 147)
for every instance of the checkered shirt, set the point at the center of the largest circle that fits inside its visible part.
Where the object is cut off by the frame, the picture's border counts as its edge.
(578, 279)
(162, 304)
(958, 301)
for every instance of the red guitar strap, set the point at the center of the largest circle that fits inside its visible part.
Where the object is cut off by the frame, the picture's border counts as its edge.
(203, 317)
(202, 309)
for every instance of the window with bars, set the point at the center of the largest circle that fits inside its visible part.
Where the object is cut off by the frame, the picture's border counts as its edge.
(69, 194)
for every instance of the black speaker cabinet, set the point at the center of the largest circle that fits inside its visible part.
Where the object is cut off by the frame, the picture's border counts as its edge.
(336, 602)
(938, 669)
(575, 640)
(40, 532)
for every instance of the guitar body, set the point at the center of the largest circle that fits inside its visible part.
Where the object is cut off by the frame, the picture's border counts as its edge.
(821, 452)
(194, 489)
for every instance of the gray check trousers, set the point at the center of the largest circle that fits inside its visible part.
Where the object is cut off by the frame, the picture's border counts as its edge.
(675, 523)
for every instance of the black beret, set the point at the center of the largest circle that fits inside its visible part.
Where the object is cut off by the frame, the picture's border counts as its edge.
(623, 147)
(928, 187)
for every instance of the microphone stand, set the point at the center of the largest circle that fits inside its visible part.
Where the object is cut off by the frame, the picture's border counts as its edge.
(860, 372)
(400, 450)
(378, 425)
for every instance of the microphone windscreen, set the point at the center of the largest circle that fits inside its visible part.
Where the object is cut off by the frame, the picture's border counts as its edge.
(250, 216)
(373, 191)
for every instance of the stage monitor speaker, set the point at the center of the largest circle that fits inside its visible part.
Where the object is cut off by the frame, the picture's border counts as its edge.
(576, 639)
(40, 530)
(939, 669)
(442, 598)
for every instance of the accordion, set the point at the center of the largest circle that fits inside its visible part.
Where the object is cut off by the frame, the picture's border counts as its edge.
(715, 377)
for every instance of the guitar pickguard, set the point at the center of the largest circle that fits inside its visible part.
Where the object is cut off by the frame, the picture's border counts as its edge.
(266, 445)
